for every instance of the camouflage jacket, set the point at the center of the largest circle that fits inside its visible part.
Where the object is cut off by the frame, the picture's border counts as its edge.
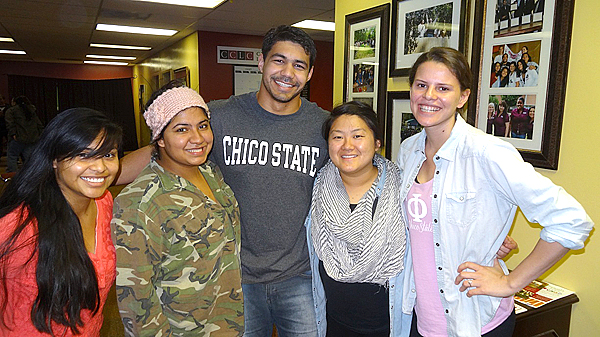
(178, 267)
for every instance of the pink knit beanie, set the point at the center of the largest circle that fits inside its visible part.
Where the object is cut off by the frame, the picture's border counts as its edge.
(170, 103)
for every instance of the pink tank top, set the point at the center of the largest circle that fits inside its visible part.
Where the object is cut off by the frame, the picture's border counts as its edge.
(431, 320)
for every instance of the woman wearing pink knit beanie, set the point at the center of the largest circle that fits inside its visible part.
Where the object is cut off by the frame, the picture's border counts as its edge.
(176, 230)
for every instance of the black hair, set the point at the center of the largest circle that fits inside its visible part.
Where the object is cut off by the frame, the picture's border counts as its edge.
(25, 104)
(494, 67)
(524, 64)
(353, 108)
(65, 276)
(292, 34)
(504, 80)
(505, 105)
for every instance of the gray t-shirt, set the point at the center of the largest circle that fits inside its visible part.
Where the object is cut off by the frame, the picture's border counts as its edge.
(270, 162)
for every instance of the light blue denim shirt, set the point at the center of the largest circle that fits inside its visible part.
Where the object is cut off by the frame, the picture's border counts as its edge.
(479, 182)
(395, 285)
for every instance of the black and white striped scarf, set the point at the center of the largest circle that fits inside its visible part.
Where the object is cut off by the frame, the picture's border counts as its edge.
(359, 246)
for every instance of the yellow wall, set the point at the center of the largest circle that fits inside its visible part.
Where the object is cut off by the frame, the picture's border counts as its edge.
(183, 53)
(579, 165)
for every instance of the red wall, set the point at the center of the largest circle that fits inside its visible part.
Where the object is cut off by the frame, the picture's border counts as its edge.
(60, 70)
(216, 79)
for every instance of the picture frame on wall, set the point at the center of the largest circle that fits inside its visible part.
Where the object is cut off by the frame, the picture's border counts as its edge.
(365, 58)
(400, 124)
(419, 25)
(182, 74)
(521, 54)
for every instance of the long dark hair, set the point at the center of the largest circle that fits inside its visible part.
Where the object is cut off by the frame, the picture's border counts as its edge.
(65, 276)
(25, 104)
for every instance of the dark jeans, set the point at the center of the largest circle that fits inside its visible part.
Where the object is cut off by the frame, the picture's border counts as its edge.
(16, 149)
(503, 330)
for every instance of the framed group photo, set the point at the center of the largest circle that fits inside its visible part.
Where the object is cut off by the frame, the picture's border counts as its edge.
(365, 58)
(521, 56)
(419, 25)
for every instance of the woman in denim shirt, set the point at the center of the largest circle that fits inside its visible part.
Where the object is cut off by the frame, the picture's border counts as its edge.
(461, 189)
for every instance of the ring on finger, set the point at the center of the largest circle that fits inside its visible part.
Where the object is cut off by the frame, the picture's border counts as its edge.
(470, 283)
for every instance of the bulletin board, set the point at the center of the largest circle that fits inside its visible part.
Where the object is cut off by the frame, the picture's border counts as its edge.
(245, 79)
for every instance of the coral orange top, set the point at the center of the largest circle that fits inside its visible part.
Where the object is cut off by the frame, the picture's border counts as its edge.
(21, 282)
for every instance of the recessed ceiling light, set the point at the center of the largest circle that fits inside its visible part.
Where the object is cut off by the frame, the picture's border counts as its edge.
(118, 46)
(16, 52)
(191, 3)
(110, 57)
(314, 24)
(6, 39)
(107, 63)
(135, 30)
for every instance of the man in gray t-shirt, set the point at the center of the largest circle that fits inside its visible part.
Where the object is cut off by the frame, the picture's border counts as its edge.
(269, 147)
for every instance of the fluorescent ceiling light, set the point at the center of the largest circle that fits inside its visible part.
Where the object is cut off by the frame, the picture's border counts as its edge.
(6, 39)
(314, 24)
(118, 46)
(135, 30)
(191, 3)
(107, 63)
(16, 52)
(109, 57)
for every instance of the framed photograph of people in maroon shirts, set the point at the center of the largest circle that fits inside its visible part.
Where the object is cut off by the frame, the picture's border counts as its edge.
(520, 54)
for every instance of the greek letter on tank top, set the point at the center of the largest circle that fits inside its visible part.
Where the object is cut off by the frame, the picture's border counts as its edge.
(430, 312)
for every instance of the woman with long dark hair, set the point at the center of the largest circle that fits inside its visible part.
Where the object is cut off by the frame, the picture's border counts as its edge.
(501, 120)
(521, 71)
(502, 80)
(57, 261)
(24, 128)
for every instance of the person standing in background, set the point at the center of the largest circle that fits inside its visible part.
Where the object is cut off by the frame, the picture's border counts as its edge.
(24, 129)
(3, 132)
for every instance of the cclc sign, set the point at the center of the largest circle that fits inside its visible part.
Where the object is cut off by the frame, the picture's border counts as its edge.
(237, 55)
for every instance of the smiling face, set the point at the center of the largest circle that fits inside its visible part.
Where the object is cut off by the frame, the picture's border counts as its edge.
(285, 71)
(532, 113)
(352, 146)
(81, 178)
(186, 141)
(435, 95)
